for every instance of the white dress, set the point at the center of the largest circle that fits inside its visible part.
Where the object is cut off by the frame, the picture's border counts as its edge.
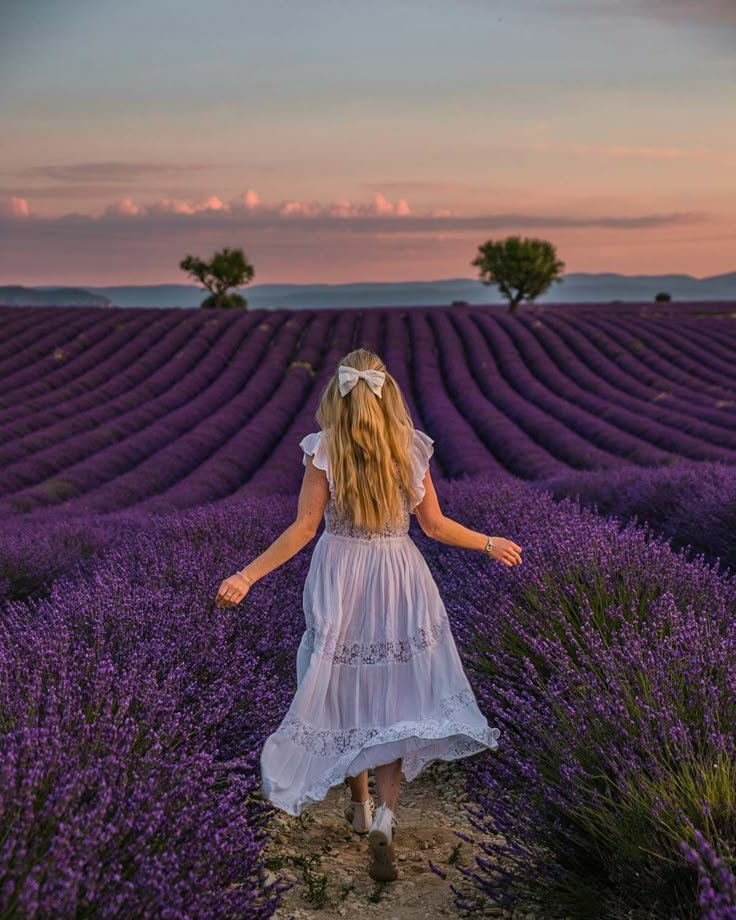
(378, 672)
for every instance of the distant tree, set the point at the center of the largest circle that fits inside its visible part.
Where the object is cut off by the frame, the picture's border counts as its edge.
(663, 297)
(522, 268)
(228, 268)
(459, 303)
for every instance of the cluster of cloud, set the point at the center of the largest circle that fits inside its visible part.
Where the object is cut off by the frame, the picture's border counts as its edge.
(176, 217)
(14, 207)
(247, 202)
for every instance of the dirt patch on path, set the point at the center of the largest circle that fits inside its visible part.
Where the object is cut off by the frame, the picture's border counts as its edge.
(327, 861)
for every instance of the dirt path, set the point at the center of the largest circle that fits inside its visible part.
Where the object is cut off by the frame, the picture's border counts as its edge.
(327, 861)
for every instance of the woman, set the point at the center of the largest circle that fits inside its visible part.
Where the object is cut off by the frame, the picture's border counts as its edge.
(379, 681)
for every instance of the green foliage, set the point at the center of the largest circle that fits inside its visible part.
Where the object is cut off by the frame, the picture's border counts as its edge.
(628, 823)
(315, 890)
(378, 891)
(345, 889)
(663, 297)
(228, 301)
(522, 268)
(228, 268)
(454, 856)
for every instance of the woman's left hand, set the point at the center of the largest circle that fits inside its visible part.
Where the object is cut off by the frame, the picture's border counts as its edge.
(232, 591)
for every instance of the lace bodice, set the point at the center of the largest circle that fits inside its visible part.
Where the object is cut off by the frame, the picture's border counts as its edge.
(341, 526)
(335, 523)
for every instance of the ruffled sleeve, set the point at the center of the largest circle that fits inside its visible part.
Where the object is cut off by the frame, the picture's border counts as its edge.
(423, 448)
(312, 444)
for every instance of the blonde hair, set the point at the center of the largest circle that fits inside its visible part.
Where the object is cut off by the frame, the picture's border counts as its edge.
(368, 441)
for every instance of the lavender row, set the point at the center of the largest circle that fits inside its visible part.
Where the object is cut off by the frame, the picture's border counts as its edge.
(190, 373)
(649, 348)
(620, 376)
(588, 345)
(695, 352)
(154, 459)
(677, 309)
(255, 440)
(460, 450)
(23, 329)
(607, 661)
(144, 379)
(628, 419)
(401, 360)
(29, 362)
(275, 473)
(543, 428)
(521, 366)
(683, 364)
(536, 398)
(133, 714)
(691, 504)
(133, 341)
(65, 363)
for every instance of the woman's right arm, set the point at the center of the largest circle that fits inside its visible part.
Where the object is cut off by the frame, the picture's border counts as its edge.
(443, 529)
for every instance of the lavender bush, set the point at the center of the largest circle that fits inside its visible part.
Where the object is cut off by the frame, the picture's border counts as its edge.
(716, 881)
(692, 504)
(133, 716)
(147, 454)
(608, 662)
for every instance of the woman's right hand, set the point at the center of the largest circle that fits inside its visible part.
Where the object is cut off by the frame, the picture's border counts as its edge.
(506, 552)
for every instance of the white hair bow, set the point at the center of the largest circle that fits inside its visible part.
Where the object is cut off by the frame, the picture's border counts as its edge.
(348, 377)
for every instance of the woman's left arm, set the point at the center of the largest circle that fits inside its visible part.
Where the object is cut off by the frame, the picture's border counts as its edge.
(313, 498)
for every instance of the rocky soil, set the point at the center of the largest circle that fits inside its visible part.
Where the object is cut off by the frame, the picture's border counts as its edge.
(327, 862)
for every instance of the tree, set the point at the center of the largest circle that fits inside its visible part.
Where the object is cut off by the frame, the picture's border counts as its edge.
(228, 268)
(663, 297)
(522, 269)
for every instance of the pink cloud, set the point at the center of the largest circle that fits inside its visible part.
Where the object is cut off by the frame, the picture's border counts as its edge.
(248, 201)
(14, 207)
(702, 154)
(177, 206)
(124, 208)
(109, 172)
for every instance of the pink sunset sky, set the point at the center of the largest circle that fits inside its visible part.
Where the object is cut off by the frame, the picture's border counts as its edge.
(337, 141)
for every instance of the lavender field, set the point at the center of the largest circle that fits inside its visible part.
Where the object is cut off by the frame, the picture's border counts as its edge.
(145, 454)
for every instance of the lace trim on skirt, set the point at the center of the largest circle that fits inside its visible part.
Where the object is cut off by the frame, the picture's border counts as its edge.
(463, 740)
(327, 743)
(399, 650)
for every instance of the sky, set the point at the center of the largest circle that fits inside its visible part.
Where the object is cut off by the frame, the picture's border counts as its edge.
(340, 141)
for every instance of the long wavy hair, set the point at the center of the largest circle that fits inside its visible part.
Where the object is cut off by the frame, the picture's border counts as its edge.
(368, 441)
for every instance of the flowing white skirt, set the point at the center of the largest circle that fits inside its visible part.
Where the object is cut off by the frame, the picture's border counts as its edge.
(378, 674)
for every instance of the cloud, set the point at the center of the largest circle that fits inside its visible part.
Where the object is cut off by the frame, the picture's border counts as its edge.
(621, 151)
(247, 213)
(124, 207)
(14, 207)
(177, 206)
(427, 186)
(107, 172)
(249, 202)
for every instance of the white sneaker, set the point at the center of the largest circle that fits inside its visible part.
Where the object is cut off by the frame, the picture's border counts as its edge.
(360, 815)
(382, 865)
